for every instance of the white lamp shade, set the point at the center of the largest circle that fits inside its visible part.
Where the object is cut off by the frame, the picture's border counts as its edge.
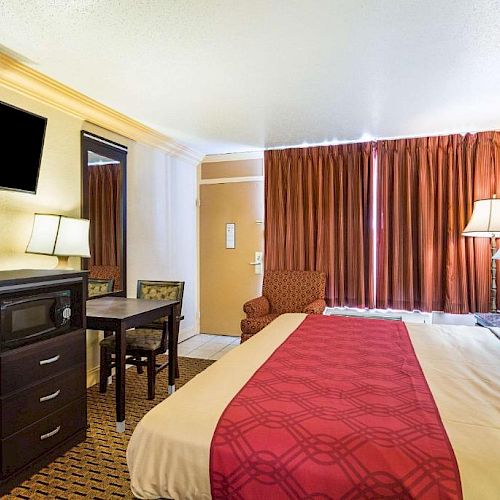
(73, 238)
(497, 255)
(44, 234)
(58, 235)
(485, 219)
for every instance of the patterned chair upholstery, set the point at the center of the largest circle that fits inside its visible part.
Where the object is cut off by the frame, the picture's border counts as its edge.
(98, 287)
(160, 290)
(284, 292)
(147, 341)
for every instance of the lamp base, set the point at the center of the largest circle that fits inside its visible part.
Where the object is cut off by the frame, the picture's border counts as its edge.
(63, 262)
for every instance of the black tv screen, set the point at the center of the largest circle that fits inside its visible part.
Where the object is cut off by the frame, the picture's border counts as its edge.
(21, 144)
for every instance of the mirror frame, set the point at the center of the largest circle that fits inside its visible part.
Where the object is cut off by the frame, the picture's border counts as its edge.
(114, 151)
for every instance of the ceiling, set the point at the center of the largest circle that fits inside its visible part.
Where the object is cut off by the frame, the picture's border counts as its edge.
(230, 76)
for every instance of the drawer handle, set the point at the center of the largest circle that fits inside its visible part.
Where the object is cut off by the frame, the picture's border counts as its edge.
(49, 360)
(50, 434)
(50, 396)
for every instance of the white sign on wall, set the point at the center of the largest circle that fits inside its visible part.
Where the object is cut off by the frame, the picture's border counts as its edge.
(230, 235)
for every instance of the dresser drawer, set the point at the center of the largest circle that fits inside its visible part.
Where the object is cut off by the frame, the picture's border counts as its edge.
(22, 408)
(26, 365)
(32, 441)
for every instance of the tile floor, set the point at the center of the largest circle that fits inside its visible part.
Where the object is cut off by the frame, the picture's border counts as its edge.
(207, 346)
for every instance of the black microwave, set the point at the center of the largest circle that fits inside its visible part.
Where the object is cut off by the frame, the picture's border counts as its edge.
(30, 318)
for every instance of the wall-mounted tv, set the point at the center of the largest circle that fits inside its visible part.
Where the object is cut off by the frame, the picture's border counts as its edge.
(21, 143)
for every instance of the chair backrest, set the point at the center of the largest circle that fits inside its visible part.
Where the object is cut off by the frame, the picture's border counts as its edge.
(291, 291)
(160, 290)
(99, 286)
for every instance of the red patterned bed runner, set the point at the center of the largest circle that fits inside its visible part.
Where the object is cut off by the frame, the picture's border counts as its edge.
(340, 410)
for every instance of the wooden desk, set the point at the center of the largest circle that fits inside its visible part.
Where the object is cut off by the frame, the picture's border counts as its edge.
(118, 314)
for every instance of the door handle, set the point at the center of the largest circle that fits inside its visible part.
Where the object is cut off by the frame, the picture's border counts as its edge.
(258, 262)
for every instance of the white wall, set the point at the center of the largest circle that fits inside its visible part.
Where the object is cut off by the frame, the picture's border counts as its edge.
(161, 211)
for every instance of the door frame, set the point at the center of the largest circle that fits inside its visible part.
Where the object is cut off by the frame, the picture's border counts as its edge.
(218, 158)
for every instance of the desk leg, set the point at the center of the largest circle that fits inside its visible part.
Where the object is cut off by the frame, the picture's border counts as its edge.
(173, 334)
(108, 333)
(120, 348)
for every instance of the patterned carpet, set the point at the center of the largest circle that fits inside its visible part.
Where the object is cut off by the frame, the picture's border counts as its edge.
(97, 468)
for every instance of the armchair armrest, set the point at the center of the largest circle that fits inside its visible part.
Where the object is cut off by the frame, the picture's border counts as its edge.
(257, 307)
(315, 307)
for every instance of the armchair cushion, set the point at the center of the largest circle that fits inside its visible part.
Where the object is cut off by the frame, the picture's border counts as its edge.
(316, 307)
(256, 308)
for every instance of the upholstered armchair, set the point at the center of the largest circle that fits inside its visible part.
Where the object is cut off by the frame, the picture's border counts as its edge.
(284, 292)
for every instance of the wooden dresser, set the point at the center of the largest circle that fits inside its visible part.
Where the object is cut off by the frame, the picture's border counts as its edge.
(43, 406)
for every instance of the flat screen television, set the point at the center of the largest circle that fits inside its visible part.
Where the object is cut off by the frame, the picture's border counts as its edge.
(21, 144)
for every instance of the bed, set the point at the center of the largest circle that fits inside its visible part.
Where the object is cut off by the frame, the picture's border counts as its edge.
(328, 407)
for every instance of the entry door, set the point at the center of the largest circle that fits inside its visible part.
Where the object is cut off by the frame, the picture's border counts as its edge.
(231, 193)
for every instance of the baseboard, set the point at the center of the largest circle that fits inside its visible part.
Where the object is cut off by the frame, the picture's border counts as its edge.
(187, 333)
(93, 373)
(93, 376)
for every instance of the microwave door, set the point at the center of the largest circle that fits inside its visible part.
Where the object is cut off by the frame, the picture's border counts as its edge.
(29, 318)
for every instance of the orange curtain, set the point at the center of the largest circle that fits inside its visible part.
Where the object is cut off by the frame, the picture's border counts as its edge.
(105, 215)
(426, 190)
(318, 217)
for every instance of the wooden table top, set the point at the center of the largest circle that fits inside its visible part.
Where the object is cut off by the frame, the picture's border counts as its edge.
(119, 308)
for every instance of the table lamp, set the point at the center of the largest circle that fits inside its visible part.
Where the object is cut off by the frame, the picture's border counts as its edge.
(61, 236)
(485, 223)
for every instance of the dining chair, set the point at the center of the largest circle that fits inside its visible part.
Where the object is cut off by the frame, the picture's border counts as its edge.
(98, 287)
(144, 344)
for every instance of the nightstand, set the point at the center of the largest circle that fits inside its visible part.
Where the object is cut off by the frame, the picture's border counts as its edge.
(490, 321)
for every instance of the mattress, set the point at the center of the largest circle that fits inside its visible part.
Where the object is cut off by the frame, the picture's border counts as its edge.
(169, 452)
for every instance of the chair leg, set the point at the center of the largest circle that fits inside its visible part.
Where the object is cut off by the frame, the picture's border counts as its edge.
(140, 369)
(104, 370)
(176, 345)
(151, 374)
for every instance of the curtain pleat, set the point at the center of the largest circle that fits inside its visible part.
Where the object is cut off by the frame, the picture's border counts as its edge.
(318, 217)
(426, 190)
(105, 215)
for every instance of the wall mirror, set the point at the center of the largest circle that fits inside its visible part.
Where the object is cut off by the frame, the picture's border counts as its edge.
(104, 165)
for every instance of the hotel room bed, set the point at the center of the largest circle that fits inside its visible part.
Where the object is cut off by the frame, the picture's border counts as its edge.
(213, 439)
